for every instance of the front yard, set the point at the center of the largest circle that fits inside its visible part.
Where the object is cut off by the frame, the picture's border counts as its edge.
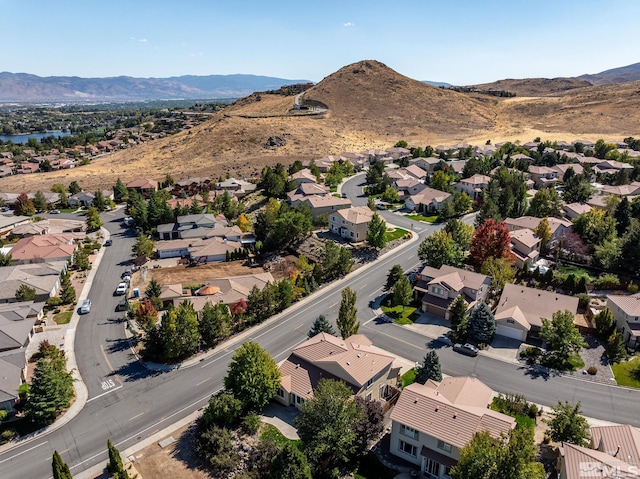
(627, 373)
(394, 234)
(428, 219)
(400, 314)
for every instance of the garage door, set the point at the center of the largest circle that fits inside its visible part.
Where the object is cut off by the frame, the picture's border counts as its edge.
(509, 332)
(437, 310)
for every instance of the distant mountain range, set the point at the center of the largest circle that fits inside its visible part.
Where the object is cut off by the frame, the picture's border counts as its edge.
(615, 75)
(23, 87)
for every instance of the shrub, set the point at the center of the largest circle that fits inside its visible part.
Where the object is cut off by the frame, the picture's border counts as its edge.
(23, 391)
(223, 410)
(7, 435)
(531, 352)
(632, 288)
(56, 311)
(583, 300)
(607, 281)
(54, 301)
(514, 405)
(3, 414)
(546, 439)
(214, 446)
(251, 423)
(592, 370)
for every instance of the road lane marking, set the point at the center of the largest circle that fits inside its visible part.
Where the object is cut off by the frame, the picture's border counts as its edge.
(106, 359)
(203, 381)
(367, 322)
(100, 395)
(137, 415)
(24, 452)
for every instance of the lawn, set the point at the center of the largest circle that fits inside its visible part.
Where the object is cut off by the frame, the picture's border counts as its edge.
(395, 233)
(574, 363)
(63, 318)
(627, 373)
(408, 378)
(428, 219)
(400, 315)
(271, 433)
(565, 270)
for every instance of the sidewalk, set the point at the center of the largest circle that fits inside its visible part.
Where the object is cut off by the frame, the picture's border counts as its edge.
(65, 337)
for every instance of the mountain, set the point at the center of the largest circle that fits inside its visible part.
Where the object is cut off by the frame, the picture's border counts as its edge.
(437, 83)
(26, 88)
(615, 75)
(363, 106)
(532, 86)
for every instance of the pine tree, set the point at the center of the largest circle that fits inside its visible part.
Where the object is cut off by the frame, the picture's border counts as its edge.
(214, 324)
(615, 347)
(402, 292)
(604, 323)
(67, 291)
(348, 323)
(429, 369)
(393, 276)
(115, 465)
(458, 310)
(60, 469)
(50, 392)
(376, 232)
(119, 191)
(482, 323)
(321, 325)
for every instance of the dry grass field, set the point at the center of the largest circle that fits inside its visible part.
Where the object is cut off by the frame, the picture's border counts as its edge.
(370, 106)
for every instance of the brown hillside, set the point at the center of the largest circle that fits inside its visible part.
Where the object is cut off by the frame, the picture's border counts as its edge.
(370, 106)
(528, 87)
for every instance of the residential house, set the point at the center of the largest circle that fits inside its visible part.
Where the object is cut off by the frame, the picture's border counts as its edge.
(440, 287)
(17, 323)
(432, 422)
(212, 250)
(521, 309)
(626, 313)
(325, 205)
(375, 154)
(562, 168)
(43, 248)
(525, 246)
(630, 191)
(397, 152)
(303, 176)
(408, 187)
(427, 164)
(144, 186)
(614, 453)
(358, 160)
(169, 292)
(226, 290)
(611, 167)
(13, 364)
(190, 226)
(473, 186)
(9, 221)
(558, 226)
(416, 172)
(367, 370)
(573, 210)
(44, 278)
(543, 176)
(520, 157)
(305, 190)
(351, 223)
(239, 187)
(428, 200)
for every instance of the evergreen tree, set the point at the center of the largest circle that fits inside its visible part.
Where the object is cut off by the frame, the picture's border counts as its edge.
(321, 325)
(119, 191)
(67, 291)
(25, 293)
(402, 292)
(51, 391)
(289, 463)
(623, 216)
(93, 219)
(214, 324)
(393, 276)
(74, 188)
(348, 323)
(99, 201)
(630, 249)
(39, 202)
(429, 369)
(458, 310)
(482, 323)
(115, 465)
(60, 469)
(615, 347)
(5, 259)
(376, 232)
(604, 323)
(153, 289)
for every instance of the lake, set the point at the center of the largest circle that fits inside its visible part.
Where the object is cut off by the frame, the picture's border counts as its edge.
(21, 139)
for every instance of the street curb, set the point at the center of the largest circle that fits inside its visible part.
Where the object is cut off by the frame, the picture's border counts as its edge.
(81, 391)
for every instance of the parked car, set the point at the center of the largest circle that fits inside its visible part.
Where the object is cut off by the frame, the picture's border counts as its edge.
(466, 349)
(444, 338)
(121, 289)
(344, 195)
(55, 212)
(108, 242)
(122, 305)
(126, 272)
(381, 206)
(85, 307)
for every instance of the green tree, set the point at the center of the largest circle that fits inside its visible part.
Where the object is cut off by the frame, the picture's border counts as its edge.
(214, 324)
(115, 465)
(60, 469)
(505, 196)
(429, 369)
(390, 195)
(99, 201)
(253, 376)
(223, 410)
(441, 180)
(51, 391)
(81, 260)
(289, 463)
(460, 232)
(153, 289)
(377, 232)
(482, 323)
(321, 325)
(543, 230)
(215, 447)
(67, 291)
(577, 189)
(500, 270)
(629, 247)
(401, 144)
(568, 425)
(93, 219)
(462, 203)
(595, 226)
(402, 292)
(623, 216)
(120, 191)
(348, 323)
(176, 337)
(289, 227)
(63, 200)
(512, 456)
(336, 260)
(143, 246)
(393, 276)
(371, 203)
(5, 259)
(25, 293)
(546, 202)
(458, 310)
(608, 253)
(74, 188)
(24, 206)
(439, 249)
(562, 337)
(615, 347)
(40, 202)
(327, 425)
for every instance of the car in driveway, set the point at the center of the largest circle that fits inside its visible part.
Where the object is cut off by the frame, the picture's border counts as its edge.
(85, 307)
(381, 206)
(467, 349)
(121, 289)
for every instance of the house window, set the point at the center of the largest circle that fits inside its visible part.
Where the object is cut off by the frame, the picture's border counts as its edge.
(447, 471)
(510, 321)
(445, 446)
(437, 290)
(368, 398)
(281, 393)
(351, 233)
(408, 431)
(432, 468)
(408, 448)
(333, 218)
(369, 383)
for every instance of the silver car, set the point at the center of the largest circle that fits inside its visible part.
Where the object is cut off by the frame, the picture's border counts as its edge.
(85, 307)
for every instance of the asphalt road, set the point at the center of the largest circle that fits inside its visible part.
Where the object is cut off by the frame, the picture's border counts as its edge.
(141, 402)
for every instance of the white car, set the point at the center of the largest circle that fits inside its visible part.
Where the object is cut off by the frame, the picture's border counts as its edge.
(85, 307)
(121, 289)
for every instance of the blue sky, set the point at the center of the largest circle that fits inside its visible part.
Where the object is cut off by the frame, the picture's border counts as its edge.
(456, 41)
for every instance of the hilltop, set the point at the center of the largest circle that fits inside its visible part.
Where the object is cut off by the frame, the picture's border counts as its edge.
(528, 87)
(369, 106)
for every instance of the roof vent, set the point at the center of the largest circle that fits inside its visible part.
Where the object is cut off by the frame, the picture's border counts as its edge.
(348, 363)
(415, 401)
(297, 366)
(436, 409)
(359, 355)
(454, 416)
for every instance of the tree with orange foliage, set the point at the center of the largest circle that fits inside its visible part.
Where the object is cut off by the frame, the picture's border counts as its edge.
(490, 239)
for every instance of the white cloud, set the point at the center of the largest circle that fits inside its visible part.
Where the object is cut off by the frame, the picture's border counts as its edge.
(141, 40)
(348, 24)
